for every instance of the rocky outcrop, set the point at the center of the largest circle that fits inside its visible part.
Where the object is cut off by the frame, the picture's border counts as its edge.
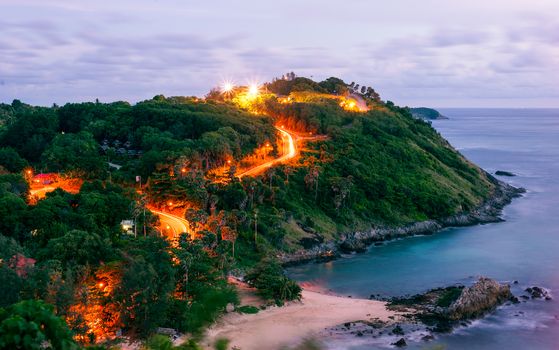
(483, 296)
(400, 343)
(489, 211)
(538, 293)
(443, 309)
(504, 173)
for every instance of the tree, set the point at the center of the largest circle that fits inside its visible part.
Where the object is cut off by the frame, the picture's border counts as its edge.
(341, 187)
(11, 160)
(148, 279)
(11, 285)
(75, 152)
(32, 325)
(268, 277)
(12, 212)
(203, 285)
(78, 247)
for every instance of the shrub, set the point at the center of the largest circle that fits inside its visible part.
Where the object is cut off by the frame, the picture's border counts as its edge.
(268, 277)
(248, 309)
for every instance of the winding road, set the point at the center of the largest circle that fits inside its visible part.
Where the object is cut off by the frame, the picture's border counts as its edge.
(173, 224)
(289, 152)
(177, 225)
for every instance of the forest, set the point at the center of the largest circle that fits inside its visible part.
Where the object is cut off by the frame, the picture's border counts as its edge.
(74, 278)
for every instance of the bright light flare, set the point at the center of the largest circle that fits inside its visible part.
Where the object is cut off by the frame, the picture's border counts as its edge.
(253, 90)
(227, 87)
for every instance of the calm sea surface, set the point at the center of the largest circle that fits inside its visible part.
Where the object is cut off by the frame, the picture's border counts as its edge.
(524, 248)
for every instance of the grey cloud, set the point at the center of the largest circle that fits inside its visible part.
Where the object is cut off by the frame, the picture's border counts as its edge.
(446, 38)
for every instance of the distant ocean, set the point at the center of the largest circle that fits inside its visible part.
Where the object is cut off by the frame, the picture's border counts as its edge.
(525, 248)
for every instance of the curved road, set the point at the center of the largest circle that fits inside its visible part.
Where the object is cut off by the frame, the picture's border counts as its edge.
(173, 223)
(178, 225)
(289, 151)
(43, 190)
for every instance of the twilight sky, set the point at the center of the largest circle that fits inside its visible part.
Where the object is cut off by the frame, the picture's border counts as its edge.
(442, 53)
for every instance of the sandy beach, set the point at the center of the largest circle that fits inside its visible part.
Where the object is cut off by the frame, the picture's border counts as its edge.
(279, 326)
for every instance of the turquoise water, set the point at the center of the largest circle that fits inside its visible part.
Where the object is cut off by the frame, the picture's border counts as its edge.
(524, 248)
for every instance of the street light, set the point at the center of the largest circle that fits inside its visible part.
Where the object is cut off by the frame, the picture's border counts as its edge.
(227, 87)
(253, 90)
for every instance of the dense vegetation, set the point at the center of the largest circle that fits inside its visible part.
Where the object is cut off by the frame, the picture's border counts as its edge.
(426, 113)
(376, 167)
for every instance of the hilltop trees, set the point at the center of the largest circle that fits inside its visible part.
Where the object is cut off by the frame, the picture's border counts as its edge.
(75, 153)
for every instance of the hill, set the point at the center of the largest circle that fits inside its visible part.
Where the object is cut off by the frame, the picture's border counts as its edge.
(357, 163)
(426, 113)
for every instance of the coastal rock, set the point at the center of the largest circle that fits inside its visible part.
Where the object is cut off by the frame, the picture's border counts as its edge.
(538, 293)
(400, 343)
(353, 245)
(504, 173)
(487, 212)
(485, 295)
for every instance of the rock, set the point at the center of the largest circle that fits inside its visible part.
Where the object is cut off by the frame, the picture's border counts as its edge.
(538, 293)
(398, 330)
(230, 307)
(166, 331)
(358, 241)
(483, 296)
(400, 343)
(351, 245)
(504, 173)
(428, 337)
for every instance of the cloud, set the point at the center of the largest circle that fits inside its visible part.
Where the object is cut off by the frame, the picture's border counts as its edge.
(426, 54)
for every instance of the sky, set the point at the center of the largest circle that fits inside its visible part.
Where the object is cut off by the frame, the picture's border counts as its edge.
(438, 53)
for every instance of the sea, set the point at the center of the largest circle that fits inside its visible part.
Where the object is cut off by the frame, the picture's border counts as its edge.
(523, 248)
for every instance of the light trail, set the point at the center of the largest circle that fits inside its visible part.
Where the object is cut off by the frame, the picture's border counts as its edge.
(177, 224)
(289, 149)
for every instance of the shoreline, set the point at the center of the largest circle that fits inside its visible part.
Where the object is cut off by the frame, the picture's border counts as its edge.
(317, 312)
(489, 211)
(276, 327)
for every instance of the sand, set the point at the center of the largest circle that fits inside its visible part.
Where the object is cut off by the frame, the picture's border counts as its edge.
(279, 326)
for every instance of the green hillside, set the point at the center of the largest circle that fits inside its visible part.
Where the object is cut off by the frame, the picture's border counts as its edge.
(375, 165)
